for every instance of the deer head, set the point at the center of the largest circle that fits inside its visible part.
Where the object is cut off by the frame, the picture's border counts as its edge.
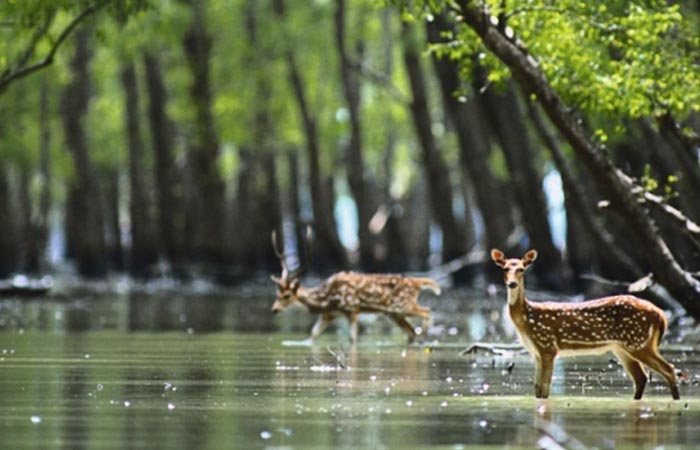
(287, 283)
(513, 268)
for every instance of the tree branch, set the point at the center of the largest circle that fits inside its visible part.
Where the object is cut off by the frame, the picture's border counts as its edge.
(24, 70)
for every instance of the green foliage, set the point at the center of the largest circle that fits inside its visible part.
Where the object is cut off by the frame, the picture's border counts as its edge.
(650, 184)
(611, 58)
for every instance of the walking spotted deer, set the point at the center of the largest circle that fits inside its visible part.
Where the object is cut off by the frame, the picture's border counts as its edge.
(629, 327)
(350, 294)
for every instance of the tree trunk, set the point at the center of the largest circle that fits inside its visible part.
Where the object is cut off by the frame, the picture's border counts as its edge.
(206, 216)
(327, 250)
(113, 232)
(354, 159)
(45, 172)
(577, 205)
(27, 255)
(8, 242)
(295, 206)
(436, 170)
(88, 242)
(609, 179)
(415, 226)
(143, 250)
(170, 223)
(473, 146)
(506, 119)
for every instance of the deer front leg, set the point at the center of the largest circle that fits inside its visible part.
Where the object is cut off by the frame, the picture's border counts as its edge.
(321, 324)
(352, 319)
(544, 365)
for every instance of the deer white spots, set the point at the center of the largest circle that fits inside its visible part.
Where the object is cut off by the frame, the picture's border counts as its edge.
(351, 294)
(629, 327)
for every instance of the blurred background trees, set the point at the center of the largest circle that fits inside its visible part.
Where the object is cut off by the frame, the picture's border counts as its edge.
(170, 137)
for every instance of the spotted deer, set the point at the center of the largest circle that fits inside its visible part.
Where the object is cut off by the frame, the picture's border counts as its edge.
(629, 327)
(350, 294)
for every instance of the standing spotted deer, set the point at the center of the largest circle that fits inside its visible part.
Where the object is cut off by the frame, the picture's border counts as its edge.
(351, 294)
(629, 327)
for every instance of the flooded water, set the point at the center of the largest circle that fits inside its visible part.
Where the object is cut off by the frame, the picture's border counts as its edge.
(200, 372)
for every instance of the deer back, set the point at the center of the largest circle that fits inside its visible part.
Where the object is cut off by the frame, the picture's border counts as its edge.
(356, 292)
(623, 320)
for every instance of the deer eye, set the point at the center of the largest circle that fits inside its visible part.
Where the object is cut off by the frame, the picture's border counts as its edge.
(520, 270)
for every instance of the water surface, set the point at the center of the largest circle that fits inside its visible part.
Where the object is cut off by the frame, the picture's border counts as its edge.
(200, 372)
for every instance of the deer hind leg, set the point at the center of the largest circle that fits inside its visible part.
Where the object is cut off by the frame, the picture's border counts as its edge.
(635, 370)
(422, 312)
(544, 366)
(655, 361)
(406, 326)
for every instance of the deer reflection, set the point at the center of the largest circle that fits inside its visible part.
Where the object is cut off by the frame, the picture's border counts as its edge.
(634, 425)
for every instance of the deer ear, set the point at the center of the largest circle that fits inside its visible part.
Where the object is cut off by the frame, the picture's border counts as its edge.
(276, 280)
(529, 257)
(498, 257)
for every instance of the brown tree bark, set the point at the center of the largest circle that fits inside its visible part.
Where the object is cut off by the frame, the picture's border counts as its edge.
(610, 180)
(327, 250)
(206, 216)
(45, 172)
(507, 124)
(474, 149)
(143, 255)
(436, 170)
(263, 212)
(86, 224)
(354, 159)
(8, 242)
(170, 215)
(113, 234)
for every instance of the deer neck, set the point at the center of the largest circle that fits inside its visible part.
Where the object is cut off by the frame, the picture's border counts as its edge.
(309, 297)
(517, 303)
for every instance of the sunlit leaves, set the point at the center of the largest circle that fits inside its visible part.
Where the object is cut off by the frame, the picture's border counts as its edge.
(613, 58)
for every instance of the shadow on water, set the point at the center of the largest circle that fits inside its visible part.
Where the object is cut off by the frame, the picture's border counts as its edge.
(180, 371)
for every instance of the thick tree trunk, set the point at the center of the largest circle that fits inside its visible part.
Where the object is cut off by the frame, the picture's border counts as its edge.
(8, 242)
(206, 215)
(169, 199)
(506, 120)
(295, 206)
(609, 179)
(28, 255)
(113, 233)
(473, 146)
(45, 172)
(436, 170)
(88, 242)
(584, 217)
(144, 254)
(354, 159)
(327, 250)
(415, 226)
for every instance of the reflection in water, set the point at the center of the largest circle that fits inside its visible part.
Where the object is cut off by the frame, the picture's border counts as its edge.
(181, 372)
(635, 424)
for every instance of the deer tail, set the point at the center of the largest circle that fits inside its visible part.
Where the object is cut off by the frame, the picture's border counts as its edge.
(428, 283)
(663, 324)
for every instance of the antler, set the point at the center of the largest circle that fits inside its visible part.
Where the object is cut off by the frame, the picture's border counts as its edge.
(280, 255)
